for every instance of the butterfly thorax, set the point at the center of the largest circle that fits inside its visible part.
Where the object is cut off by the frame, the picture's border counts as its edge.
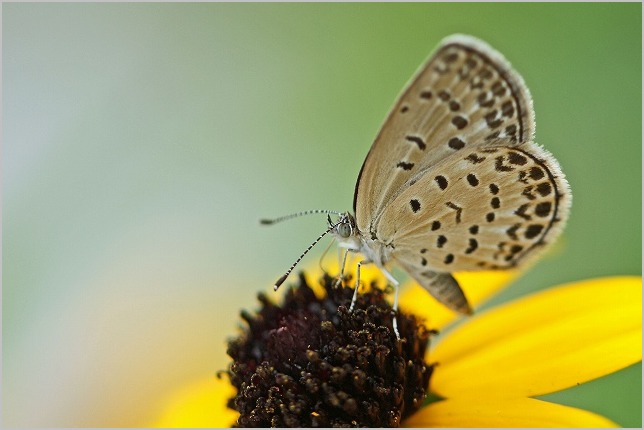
(349, 237)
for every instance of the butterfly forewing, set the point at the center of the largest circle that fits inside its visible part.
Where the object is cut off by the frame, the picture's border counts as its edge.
(464, 96)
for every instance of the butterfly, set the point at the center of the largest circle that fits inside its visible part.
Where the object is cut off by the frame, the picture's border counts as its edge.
(454, 180)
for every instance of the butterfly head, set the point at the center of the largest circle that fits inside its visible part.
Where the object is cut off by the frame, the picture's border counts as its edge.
(345, 230)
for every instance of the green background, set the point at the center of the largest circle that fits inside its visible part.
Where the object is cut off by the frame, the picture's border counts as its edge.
(142, 143)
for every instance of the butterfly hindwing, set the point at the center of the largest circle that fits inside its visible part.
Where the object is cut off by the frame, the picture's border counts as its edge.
(489, 207)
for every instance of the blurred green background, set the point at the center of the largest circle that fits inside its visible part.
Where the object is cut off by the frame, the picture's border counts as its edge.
(142, 143)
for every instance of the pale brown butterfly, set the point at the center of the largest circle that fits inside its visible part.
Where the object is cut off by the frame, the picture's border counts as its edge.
(454, 181)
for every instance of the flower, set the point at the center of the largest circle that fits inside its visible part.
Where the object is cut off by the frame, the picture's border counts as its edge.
(314, 362)
(486, 371)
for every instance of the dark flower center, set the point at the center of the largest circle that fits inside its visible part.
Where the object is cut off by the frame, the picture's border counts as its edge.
(311, 363)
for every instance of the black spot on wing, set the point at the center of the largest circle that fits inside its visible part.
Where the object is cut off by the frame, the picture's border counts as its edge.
(499, 165)
(544, 189)
(456, 143)
(517, 159)
(441, 181)
(492, 120)
(440, 241)
(473, 244)
(405, 165)
(512, 231)
(474, 159)
(459, 122)
(507, 109)
(527, 193)
(418, 141)
(543, 209)
(498, 89)
(457, 208)
(536, 173)
(533, 231)
(521, 211)
(485, 99)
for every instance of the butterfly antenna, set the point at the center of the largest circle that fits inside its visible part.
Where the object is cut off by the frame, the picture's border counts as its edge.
(298, 214)
(281, 280)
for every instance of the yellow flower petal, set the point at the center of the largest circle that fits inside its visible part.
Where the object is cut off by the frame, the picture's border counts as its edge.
(368, 273)
(478, 286)
(545, 342)
(516, 413)
(201, 404)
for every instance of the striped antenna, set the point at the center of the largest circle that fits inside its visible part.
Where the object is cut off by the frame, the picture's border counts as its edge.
(298, 214)
(281, 280)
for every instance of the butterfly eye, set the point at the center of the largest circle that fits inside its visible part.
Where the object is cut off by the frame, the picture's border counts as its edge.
(344, 230)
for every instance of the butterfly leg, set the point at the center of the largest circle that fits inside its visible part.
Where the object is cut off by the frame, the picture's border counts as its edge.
(391, 279)
(396, 284)
(355, 291)
(344, 262)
